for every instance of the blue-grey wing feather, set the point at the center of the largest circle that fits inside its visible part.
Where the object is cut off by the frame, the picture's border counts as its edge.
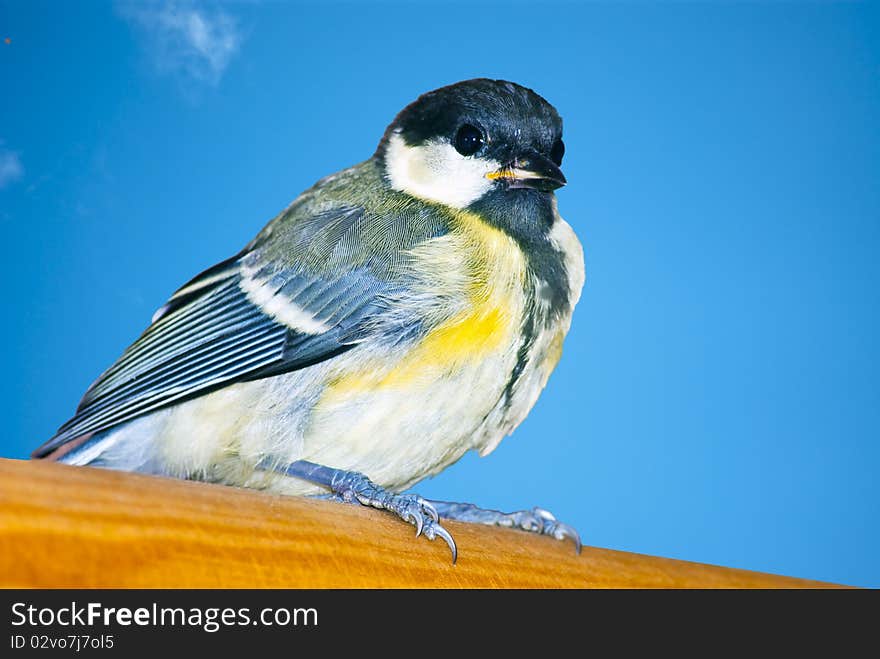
(338, 253)
(211, 334)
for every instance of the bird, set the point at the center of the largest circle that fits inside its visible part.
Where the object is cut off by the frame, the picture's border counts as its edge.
(396, 315)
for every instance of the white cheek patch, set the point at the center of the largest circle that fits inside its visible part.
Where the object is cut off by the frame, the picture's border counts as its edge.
(435, 171)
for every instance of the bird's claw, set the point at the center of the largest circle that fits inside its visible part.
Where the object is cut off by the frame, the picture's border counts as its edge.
(536, 520)
(354, 487)
(420, 513)
(411, 508)
(549, 525)
(434, 530)
(419, 523)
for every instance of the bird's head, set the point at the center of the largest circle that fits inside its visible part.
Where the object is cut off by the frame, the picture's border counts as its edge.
(480, 138)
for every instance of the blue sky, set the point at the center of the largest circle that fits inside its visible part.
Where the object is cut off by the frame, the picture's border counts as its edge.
(719, 395)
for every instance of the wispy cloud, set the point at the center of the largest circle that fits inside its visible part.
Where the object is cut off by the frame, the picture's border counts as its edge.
(187, 38)
(10, 166)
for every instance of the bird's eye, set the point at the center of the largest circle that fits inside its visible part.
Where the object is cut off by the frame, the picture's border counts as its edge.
(557, 151)
(468, 140)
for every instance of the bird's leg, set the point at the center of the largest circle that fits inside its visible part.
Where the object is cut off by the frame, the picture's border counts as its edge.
(536, 520)
(354, 487)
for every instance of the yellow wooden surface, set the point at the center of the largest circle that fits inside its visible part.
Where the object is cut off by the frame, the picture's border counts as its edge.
(78, 527)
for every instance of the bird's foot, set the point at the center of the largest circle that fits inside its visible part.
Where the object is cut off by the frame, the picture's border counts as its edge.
(536, 520)
(354, 487)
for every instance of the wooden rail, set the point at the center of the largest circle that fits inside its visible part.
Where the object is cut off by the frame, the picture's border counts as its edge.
(78, 527)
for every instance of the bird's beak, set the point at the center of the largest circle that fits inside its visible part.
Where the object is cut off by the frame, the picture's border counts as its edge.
(531, 170)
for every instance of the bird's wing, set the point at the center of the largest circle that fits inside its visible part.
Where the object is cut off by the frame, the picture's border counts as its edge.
(251, 316)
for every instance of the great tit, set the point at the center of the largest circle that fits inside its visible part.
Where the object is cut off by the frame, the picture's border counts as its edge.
(395, 316)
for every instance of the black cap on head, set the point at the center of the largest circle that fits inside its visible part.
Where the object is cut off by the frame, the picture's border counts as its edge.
(510, 118)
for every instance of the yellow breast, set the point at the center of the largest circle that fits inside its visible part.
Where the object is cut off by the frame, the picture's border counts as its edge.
(481, 272)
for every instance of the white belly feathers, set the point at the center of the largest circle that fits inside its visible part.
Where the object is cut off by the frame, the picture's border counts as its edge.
(396, 414)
